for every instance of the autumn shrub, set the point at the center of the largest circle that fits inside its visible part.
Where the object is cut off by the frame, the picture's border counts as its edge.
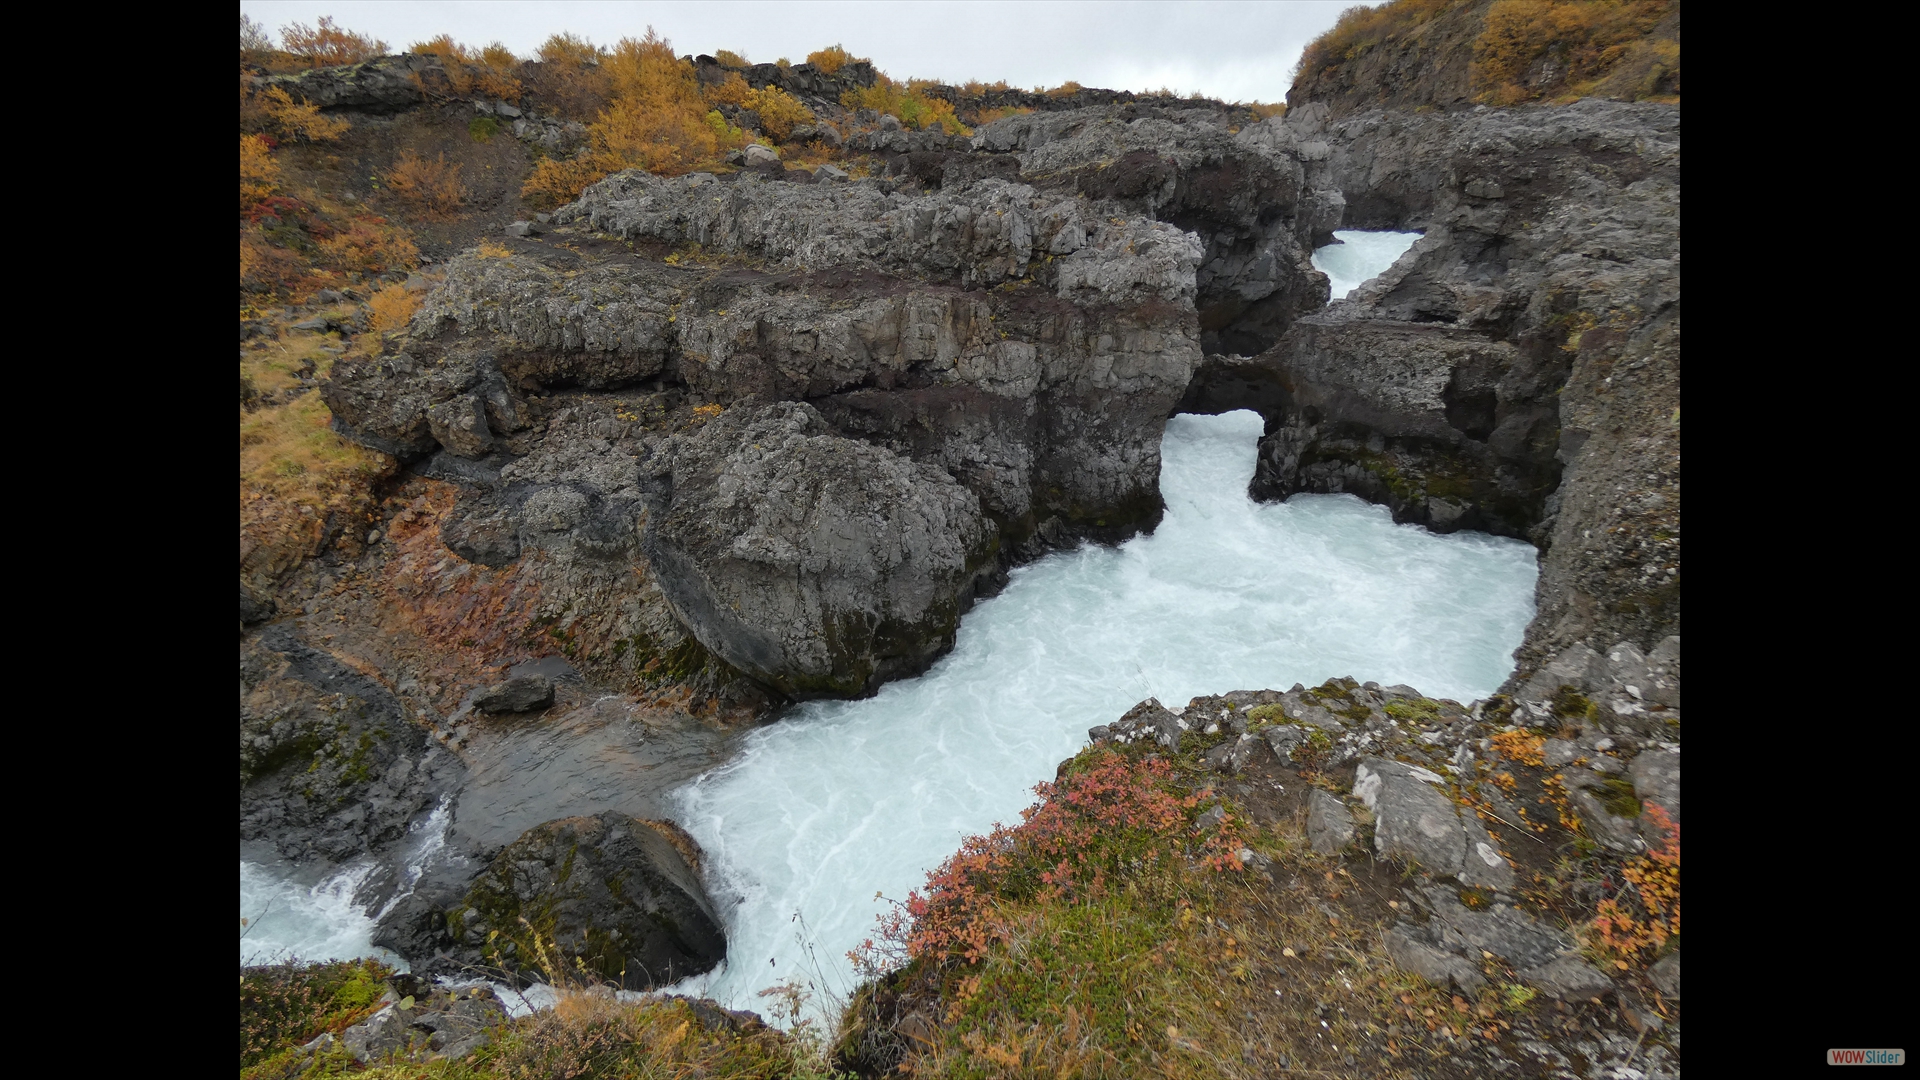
(732, 59)
(1639, 922)
(656, 120)
(1362, 28)
(485, 72)
(1531, 48)
(259, 174)
(832, 58)
(429, 189)
(1109, 820)
(370, 245)
(391, 308)
(1067, 89)
(569, 80)
(909, 102)
(780, 112)
(988, 116)
(284, 1005)
(253, 37)
(272, 111)
(266, 268)
(327, 45)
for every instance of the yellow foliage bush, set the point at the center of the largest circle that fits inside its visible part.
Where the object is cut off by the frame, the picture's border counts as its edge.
(569, 78)
(427, 188)
(779, 111)
(988, 116)
(391, 308)
(265, 268)
(259, 174)
(732, 59)
(487, 72)
(370, 245)
(909, 103)
(833, 58)
(273, 111)
(657, 120)
(326, 44)
(1362, 28)
(1531, 48)
(732, 90)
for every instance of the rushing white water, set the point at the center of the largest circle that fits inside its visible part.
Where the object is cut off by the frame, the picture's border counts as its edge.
(284, 919)
(1359, 257)
(843, 799)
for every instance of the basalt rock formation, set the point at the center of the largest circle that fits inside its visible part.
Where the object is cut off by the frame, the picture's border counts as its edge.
(1518, 370)
(1017, 347)
(610, 892)
(815, 563)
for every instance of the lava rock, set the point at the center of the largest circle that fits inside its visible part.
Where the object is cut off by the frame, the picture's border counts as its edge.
(522, 693)
(1329, 823)
(816, 564)
(610, 892)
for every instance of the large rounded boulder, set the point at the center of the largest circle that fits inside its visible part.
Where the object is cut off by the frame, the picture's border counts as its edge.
(610, 894)
(816, 564)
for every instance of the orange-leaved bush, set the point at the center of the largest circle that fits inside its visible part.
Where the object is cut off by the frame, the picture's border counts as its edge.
(389, 309)
(1110, 817)
(327, 45)
(833, 58)
(909, 103)
(369, 245)
(428, 188)
(259, 174)
(273, 111)
(1645, 916)
(1533, 48)
(657, 121)
(487, 72)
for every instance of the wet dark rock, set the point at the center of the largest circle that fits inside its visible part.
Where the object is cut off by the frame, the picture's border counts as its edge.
(330, 765)
(519, 694)
(610, 891)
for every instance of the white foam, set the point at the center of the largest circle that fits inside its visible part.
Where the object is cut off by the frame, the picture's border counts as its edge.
(843, 799)
(1359, 257)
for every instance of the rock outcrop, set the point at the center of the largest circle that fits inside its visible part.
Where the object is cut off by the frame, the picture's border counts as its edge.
(818, 564)
(610, 892)
(331, 764)
(1518, 370)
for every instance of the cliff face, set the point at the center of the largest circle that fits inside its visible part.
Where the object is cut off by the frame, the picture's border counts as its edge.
(1025, 346)
(1518, 369)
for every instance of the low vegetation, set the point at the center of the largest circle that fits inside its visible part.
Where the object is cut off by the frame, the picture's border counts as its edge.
(1517, 50)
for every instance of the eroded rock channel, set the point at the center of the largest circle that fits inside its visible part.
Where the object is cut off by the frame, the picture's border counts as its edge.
(728, 443)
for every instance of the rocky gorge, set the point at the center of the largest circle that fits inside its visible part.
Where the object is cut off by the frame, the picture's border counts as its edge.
(692, 449)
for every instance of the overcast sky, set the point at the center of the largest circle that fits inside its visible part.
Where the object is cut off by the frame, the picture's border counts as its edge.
(1235, 51)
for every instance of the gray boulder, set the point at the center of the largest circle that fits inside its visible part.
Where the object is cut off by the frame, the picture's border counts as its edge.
(1656, 779)
(460, 425)
(1414, 817)
(757, 154)
(1329, 823)
(610, 892)
(1149, 721)
(816, 564)
(521, 693)
(1666, 975)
